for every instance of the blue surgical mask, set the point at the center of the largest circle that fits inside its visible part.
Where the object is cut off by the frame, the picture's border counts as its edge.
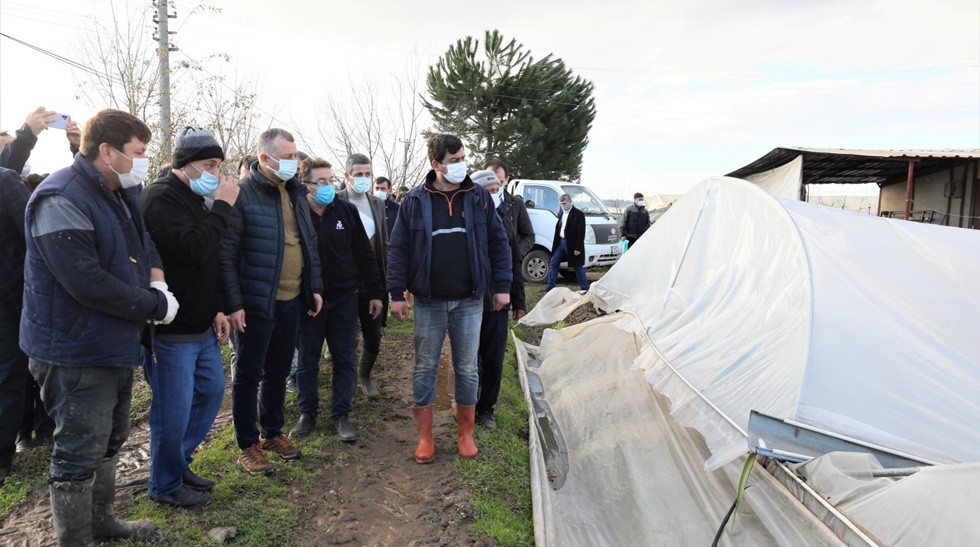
(205, 185)
(362, 184)
(325, 194)
(381, 194)
(287, 168)
(566, 207)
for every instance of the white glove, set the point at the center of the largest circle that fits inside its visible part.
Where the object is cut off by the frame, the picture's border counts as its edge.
(172, 305)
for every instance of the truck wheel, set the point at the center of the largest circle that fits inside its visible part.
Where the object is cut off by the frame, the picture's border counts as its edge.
(535, 266)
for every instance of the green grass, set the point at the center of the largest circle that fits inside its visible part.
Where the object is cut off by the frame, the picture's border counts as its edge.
(30, 470)
(500, 479)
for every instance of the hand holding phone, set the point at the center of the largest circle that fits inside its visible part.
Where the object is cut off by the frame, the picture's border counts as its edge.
(60, 121)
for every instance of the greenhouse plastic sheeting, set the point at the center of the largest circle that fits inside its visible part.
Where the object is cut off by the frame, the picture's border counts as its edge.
(858, 325)
(935, 506)
(733, 301)
(784, 181)
(634, 475)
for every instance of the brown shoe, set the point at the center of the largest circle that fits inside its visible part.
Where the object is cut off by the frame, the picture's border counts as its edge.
(281, 446)
(4, 473)
(254, 461)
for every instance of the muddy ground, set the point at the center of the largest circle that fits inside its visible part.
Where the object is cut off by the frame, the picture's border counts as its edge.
(381, 498)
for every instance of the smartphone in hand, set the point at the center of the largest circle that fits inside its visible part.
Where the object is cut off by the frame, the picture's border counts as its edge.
(60, 121)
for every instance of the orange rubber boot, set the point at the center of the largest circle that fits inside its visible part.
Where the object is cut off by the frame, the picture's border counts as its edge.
(425, 452)
(465, 418)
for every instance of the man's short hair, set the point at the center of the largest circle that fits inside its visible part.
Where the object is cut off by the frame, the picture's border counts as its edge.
(495, 164)
(443, 144)
(268, 138)
(384, 180)
(247, 161)
(356, 159)
(637, 195)
(565, 197)
(309, 164)
(113, 127)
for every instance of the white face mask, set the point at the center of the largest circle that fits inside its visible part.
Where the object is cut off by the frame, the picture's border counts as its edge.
(497, 199)
(455, 172)
(135, 176)
(381, 194)
(640, 203)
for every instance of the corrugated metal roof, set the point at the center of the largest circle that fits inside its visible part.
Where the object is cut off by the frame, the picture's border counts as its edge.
(855, 166)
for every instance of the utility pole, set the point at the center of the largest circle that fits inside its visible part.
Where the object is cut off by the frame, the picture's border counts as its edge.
(162, 19)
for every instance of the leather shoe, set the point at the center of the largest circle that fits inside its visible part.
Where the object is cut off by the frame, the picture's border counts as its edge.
(486, 420)
(303, 426)
(196, 482)
(344, 430)
(184, 497)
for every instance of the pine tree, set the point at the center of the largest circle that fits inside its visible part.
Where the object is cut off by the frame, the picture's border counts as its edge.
(535, 115)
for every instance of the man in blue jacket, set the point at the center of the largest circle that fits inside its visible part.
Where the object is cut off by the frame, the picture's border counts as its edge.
(92, 282)
(447, 246)
(270, 271)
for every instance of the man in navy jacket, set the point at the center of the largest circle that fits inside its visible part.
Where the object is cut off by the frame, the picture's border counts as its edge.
(92, 282)
(447, 246)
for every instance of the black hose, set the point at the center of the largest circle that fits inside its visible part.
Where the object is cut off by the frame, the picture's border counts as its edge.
(724, 521)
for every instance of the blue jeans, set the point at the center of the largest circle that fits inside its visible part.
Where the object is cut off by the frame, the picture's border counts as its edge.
(13, 380)
(265, 352)
(462, 319)
(337, 323)
(561, 255)
(90, 407)
(188, 386)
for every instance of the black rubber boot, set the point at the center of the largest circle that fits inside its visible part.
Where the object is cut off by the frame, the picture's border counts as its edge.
(105, 525)
(303, 426)
(71, 509)
(364, 374)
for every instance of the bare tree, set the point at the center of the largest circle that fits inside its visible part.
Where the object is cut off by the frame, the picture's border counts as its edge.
(123, 74)
(383, 123)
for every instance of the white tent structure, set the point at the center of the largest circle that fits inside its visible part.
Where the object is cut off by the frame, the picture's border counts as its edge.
(860, 329)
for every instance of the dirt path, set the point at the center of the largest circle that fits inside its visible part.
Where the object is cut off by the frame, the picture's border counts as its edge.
(382, 497)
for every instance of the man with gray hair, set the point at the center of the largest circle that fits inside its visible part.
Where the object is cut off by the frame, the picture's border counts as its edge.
(568, 244)
(358, 180)
(270, 271)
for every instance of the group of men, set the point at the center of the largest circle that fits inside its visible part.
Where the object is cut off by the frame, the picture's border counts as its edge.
(113, 276)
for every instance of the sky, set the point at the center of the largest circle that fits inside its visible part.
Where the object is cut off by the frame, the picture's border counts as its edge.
(683, 91)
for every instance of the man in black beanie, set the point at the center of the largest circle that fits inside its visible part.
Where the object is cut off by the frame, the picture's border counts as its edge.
(183, 367)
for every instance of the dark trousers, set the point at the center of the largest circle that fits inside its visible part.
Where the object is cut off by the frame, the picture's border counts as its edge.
(13, 378)
(258, 389)
(36, 420)
(90, 407)
(493, 346)
(337, 324)
(630, 242)
(370, 327)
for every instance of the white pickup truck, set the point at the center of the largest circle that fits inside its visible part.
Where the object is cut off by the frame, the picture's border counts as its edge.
(602, 247)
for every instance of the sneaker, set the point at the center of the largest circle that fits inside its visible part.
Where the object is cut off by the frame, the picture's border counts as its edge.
(486, 420)
(254, 461)
(184, 497)
(194, 481)
(344, 430)
(281, 446)
(23, 443)
(291, 386)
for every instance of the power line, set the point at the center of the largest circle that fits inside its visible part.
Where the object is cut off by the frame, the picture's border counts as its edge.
(66, 60)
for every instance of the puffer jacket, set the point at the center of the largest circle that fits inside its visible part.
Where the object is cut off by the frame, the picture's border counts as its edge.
(87, 295)
(251, 252)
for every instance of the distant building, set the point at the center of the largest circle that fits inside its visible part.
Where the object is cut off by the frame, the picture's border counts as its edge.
(934, 186)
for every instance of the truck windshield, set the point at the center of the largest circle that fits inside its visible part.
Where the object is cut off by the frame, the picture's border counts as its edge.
(584, 199)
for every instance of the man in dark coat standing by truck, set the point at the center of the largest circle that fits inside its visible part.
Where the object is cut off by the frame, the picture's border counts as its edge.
(636, 220)
(568, 243)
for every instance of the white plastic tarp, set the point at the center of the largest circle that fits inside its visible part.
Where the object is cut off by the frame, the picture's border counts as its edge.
(784, 181)
(858, 325)
(735, 301)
